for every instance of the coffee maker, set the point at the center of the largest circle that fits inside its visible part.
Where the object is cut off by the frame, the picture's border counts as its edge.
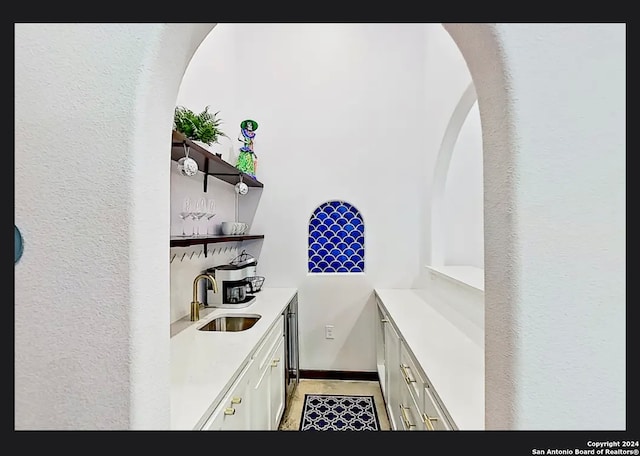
(234, 285)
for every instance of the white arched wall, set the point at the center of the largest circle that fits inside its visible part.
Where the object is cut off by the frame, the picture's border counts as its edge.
(438, 215)
(92, 287)
(91, 345)
(554, 221)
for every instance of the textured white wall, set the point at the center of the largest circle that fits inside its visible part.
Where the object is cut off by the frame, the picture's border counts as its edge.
(463, 197)
(448, 91)
(554, 182)
(92, 202)
(446, 212)
(338, 109)
(554, 242)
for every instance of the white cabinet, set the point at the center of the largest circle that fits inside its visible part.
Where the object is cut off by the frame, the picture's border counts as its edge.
(412, 403)
(232, 413)
(261, 397)
(381, 319)
(256, 400)
(432, 414)
(410, 419)
(392, 374)
(277, 387)
(267, 382)
(412, 391)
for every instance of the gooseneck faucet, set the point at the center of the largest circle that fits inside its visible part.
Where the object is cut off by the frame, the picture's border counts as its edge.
(195, 304)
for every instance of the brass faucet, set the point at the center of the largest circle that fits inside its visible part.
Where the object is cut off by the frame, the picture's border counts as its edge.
(195, 304)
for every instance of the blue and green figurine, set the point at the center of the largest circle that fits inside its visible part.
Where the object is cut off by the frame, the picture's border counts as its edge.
(247, 160)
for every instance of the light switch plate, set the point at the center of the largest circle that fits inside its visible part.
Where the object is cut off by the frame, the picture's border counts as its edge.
(328, 332)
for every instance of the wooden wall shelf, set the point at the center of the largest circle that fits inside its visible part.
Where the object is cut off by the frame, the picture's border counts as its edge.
(185, 241)
(209, 163)
(205, 240)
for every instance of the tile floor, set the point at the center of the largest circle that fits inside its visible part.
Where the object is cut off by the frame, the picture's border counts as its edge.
(291, 419)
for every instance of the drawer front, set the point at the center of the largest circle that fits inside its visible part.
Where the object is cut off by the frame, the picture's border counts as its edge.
(261, 355)
(409, 412)
(231, 413)
(432, 416)
(411, 374)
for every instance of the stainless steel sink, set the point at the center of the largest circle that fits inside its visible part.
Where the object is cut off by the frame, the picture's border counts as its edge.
(231, 323)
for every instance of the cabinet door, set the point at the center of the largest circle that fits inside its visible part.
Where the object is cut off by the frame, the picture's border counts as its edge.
(260, 397)
(392, 374)
(216, 420)
(381, 319)
(261, 410)
(277, 386)
(232, 414)
(412, 373)
(432, 416)
(409, 413)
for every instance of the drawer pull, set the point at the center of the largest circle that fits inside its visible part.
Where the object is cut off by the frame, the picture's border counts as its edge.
(236, 400)
(384, 320)
(428, 421)
(405, 418)
(275, 362)
(229, 411)
(406, 376)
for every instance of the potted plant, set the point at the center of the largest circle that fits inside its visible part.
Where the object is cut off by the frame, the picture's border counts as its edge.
(203, 127)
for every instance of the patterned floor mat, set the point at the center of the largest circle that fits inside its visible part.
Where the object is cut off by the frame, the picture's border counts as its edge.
(331, 412)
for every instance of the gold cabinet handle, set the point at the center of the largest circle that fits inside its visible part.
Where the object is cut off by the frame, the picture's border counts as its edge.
(229, 411)
(406, 376)
(236, 400)
(428, 421)
(405, 418)
(275, 362)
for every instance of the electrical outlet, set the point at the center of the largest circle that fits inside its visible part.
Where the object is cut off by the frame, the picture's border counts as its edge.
(328, 332)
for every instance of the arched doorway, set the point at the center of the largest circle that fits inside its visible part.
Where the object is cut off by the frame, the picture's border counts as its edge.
(103, 340)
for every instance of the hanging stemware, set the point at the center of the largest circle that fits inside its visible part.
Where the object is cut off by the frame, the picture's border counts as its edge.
(211, 212)
(185, 213)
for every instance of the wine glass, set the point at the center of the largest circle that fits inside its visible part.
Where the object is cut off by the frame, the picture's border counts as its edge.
(199, 212)
(211, 212)
(185, 213)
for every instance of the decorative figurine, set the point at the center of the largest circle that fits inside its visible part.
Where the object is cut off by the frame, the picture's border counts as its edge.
(247, 159)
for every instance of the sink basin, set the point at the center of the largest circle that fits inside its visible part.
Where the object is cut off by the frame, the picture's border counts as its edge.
(231, 323)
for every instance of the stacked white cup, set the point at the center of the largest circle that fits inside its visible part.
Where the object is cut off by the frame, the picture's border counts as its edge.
(234, 228)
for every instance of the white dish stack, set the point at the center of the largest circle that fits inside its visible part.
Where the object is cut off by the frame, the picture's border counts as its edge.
(234, 228)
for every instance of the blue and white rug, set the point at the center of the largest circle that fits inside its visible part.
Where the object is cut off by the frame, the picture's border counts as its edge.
(331, 412)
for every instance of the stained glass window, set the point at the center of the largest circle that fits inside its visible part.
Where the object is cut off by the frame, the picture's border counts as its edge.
(336, 238)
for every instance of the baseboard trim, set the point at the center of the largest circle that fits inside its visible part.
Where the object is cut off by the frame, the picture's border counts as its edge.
(339, 375)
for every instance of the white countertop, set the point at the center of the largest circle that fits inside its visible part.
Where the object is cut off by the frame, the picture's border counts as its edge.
(453, 362)
(204, 363)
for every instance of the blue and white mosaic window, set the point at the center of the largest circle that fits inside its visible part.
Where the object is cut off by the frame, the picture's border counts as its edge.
(336, 238)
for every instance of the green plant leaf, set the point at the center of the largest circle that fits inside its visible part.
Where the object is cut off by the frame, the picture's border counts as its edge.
(204, 126)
